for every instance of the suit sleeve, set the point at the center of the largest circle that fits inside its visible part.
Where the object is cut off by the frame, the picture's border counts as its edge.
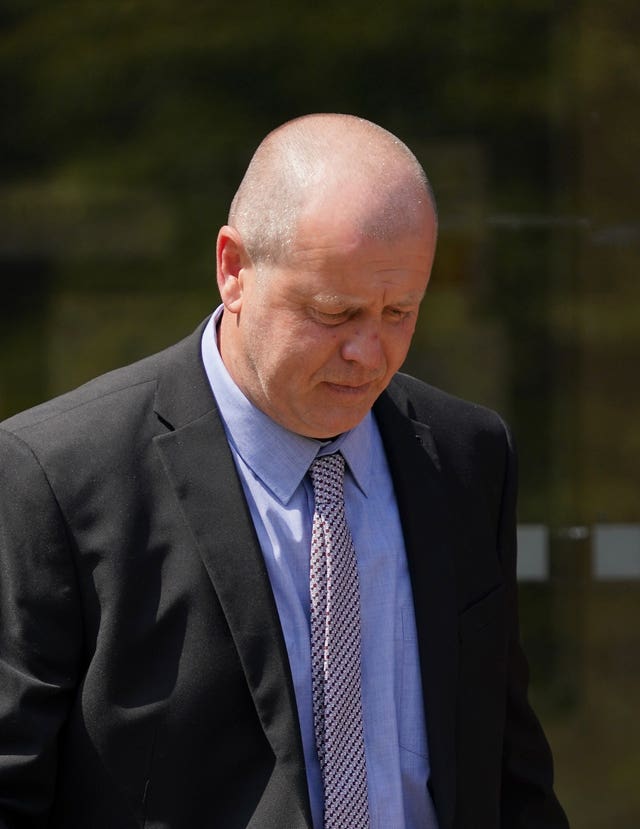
(528, 799)
(40, 636)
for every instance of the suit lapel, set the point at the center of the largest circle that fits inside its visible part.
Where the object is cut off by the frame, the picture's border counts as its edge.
(199, 464)
(427, 527)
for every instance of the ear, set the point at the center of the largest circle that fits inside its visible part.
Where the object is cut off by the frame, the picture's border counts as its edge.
(233, 262)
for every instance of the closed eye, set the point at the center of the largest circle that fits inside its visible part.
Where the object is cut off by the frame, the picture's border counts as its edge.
(391, 313)
(330, 318)
(398, 314)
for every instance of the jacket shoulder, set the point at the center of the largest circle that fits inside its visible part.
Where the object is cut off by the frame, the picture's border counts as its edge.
(99, 389)
(443, 412)
(108, 406)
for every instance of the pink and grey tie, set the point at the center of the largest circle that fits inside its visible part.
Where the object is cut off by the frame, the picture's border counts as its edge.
(335, 652)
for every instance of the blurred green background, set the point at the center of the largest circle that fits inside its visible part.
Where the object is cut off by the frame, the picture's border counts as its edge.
(126, 127)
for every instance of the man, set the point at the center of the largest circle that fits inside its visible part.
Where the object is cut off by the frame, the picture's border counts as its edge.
(167, 657)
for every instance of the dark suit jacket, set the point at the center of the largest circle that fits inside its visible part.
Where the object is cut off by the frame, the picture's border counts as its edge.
(144, 678)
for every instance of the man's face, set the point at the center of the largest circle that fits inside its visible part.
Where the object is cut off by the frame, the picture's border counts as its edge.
(319, 337)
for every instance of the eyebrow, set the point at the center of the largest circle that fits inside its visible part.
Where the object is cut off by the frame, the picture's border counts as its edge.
(410, 299)
(347, 301)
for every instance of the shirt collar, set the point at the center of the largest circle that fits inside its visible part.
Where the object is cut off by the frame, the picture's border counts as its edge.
(258, 439)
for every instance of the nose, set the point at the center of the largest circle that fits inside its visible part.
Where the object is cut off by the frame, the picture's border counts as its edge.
(364, 346)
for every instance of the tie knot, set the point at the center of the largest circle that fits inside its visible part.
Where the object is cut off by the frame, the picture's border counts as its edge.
(327, 477)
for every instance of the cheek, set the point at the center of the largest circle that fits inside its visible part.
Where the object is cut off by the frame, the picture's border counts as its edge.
(292, 358)
(397, 345)
(313, 346)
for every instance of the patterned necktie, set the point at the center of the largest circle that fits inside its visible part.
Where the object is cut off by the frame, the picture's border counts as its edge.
(335, 652)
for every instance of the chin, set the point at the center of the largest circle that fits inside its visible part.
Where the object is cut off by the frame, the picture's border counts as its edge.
(337, 426)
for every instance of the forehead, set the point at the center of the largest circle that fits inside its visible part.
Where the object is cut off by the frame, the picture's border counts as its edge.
(353, 271)
(324, 243)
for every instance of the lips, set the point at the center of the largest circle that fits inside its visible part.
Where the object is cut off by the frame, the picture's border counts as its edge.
(350, 388)
(353, 382)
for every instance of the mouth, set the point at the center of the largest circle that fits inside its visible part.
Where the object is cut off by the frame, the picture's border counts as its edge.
(351, 389)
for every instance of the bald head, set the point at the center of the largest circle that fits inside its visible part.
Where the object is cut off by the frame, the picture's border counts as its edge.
(331, 162)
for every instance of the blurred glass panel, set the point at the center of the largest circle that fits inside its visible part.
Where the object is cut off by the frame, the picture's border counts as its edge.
(616, 552)
(533, 552)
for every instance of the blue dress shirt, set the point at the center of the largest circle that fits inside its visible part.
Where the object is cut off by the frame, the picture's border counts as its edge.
(272, 463)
